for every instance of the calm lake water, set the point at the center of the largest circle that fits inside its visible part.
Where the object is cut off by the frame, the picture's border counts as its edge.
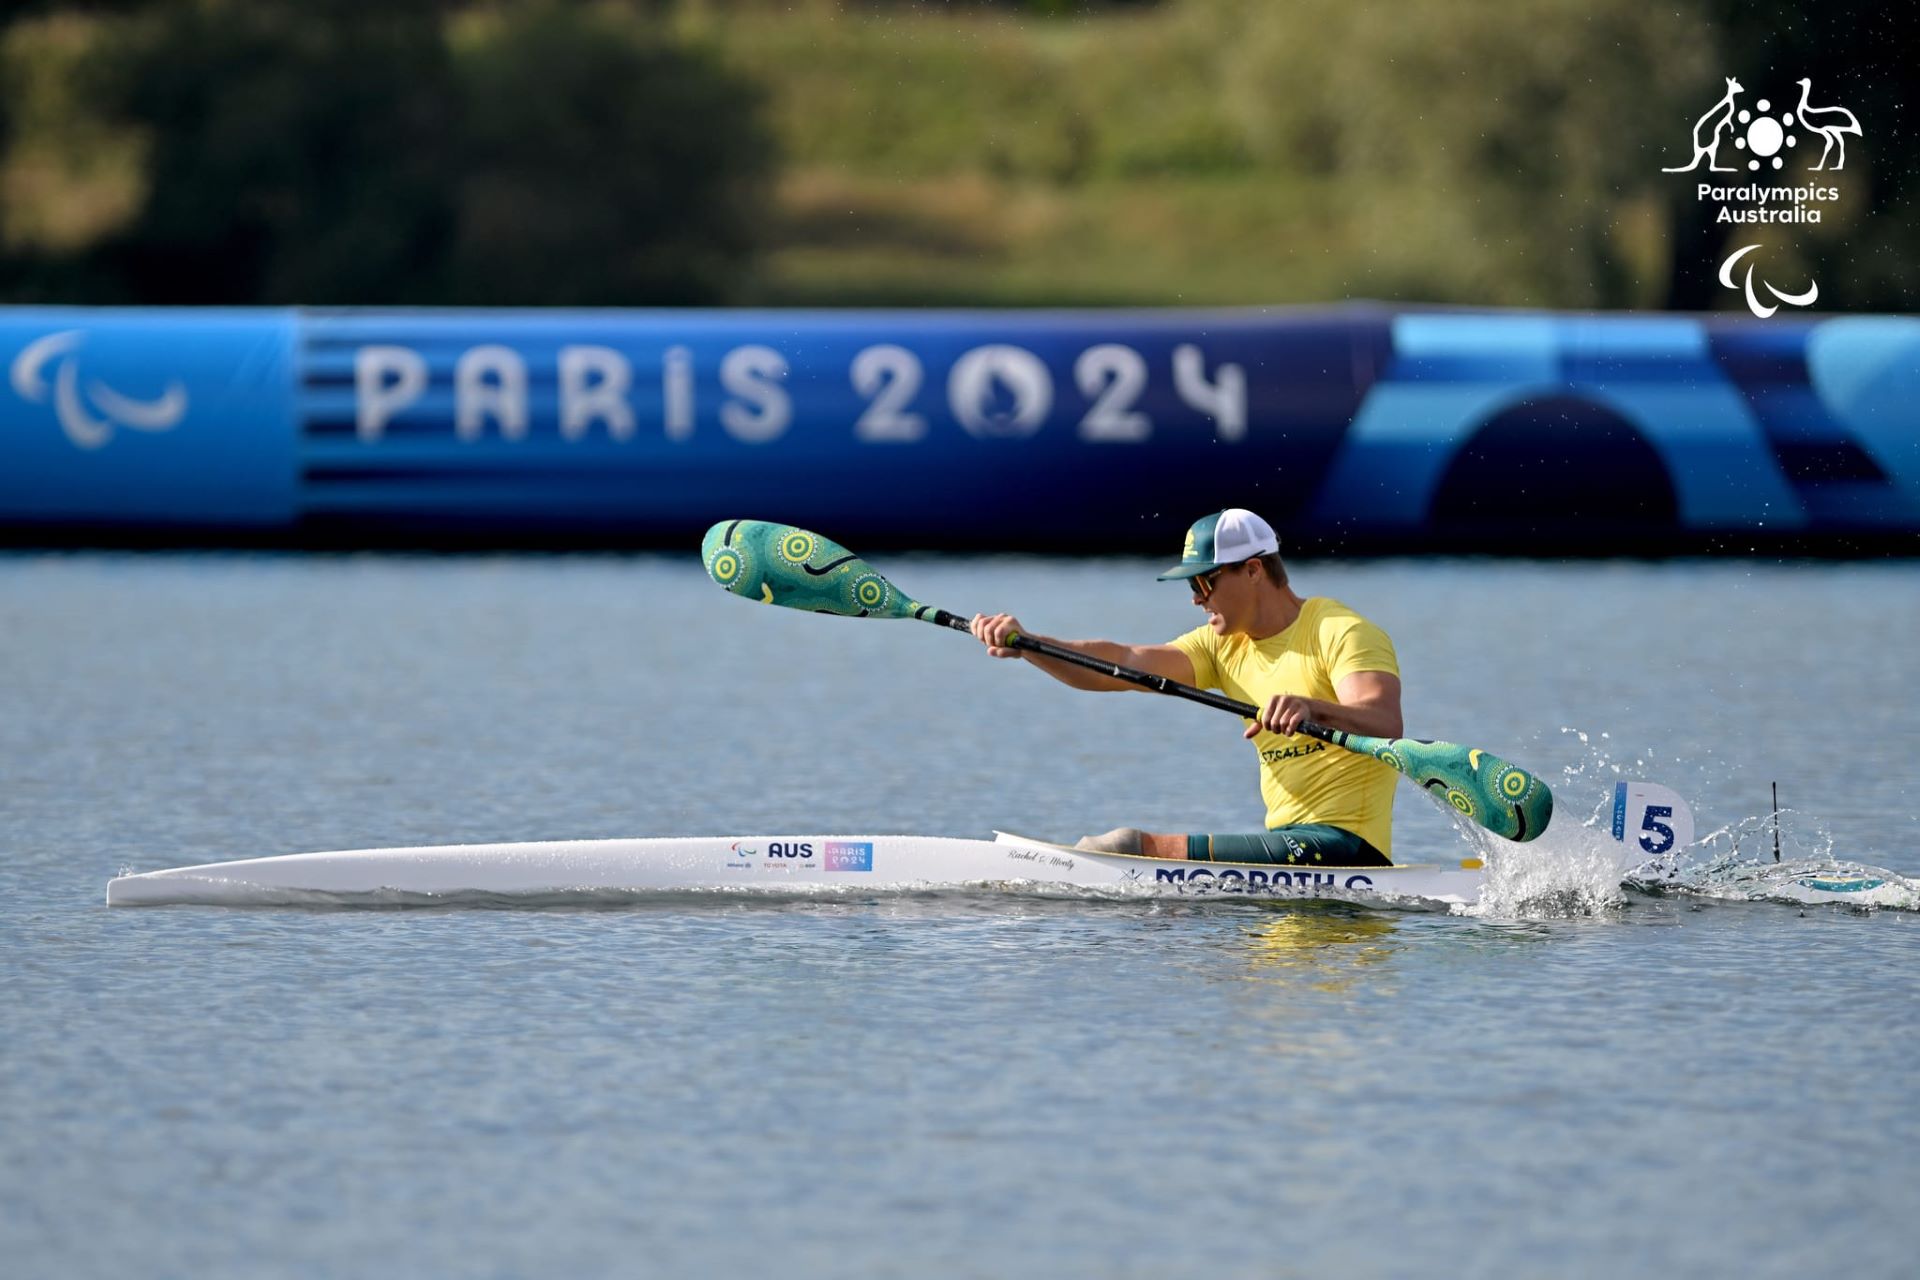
(1589, 1085)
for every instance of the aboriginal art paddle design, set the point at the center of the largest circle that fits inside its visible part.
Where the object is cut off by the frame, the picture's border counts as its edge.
(1502, 797)
(779, 564)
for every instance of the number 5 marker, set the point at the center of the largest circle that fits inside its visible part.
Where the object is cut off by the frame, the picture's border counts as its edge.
(1650, 821)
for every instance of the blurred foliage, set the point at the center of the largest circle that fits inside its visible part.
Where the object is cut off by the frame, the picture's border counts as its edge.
(1495, 152)
(329, 152)
(259, 188)
(995, 152)
(601, 166)
(1250, 150)
(1038, 8)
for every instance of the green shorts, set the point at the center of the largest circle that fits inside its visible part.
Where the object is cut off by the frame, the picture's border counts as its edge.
(1308, 843)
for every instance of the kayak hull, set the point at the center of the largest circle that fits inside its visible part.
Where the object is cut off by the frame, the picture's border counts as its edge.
(797, 864)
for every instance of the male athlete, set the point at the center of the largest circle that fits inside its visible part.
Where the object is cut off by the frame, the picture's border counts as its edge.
(1297, 659)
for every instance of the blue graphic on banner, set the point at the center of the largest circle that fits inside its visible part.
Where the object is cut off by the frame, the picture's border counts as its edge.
(1865, 372)
(1398, 428)
(147, 416)
(1454, 376)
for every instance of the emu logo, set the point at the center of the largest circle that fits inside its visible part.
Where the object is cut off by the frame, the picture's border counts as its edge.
(89, 415)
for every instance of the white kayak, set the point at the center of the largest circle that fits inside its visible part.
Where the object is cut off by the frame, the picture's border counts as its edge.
(796, 864)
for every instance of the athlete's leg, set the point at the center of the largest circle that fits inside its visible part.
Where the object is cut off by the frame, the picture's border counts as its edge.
(1151, 844)
(1305, 844)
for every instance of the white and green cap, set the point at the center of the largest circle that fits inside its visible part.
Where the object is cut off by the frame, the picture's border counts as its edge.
(1225, 537)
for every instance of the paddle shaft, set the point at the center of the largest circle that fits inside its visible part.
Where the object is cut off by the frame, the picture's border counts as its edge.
(1145, 679)
(783, 565)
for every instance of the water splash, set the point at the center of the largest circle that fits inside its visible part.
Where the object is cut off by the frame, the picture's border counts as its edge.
(1577, 869)
(1735, 863)
(1571, 870)
(1738, 863)
(1598, 765)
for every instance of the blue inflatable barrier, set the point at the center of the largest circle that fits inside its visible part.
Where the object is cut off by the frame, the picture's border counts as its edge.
(1357, 427)
(149, 417)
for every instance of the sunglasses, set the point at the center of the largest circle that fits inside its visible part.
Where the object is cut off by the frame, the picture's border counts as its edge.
(1204, 583)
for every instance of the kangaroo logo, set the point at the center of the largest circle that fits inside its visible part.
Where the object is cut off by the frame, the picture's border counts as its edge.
(89, 416)
(1807, 299)
(1707, 130)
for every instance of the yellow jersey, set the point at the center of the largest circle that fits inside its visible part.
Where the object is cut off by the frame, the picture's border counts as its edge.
(1303, 779)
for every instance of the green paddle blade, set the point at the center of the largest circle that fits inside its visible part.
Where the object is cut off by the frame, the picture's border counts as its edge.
(779, 564)
(1502, 797)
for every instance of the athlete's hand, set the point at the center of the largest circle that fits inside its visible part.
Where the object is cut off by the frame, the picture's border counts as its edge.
(994, 630)
(1284, 714)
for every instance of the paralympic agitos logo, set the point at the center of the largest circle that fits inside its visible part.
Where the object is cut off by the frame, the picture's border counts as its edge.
(1762, 137)
(88, 410)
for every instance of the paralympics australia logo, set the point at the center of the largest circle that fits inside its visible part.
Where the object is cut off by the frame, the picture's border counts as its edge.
(1761, 138)
(88, 409)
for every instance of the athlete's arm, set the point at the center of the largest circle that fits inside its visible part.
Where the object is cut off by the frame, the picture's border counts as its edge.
(1369, 704)
(992, 630)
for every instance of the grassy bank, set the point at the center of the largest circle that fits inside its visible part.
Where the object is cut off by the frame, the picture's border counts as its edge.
(1205, 151)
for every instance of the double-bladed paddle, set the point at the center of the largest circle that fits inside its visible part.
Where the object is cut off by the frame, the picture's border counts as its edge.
(779, 564)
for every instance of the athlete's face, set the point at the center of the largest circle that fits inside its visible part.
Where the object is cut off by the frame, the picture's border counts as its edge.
(1220, 594)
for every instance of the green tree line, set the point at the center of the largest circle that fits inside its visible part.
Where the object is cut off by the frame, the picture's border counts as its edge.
(909, 152)
(415, 151)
